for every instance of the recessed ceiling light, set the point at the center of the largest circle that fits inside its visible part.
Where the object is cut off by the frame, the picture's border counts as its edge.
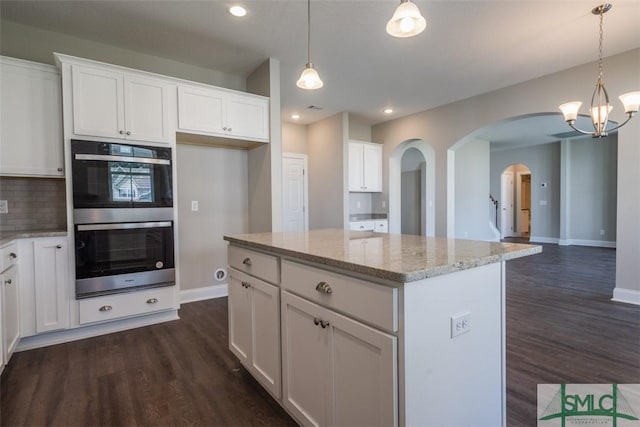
(295, 116)
(388, 110)
(237, 11)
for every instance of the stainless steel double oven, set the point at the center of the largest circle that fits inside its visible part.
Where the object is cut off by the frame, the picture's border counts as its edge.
(123, 216)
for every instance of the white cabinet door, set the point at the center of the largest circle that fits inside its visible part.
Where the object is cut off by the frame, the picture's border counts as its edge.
(254, 332)
(125, 106)
(248, 117)
(336, 371)
(355, 167)
(10, 312)
(31, 110)
(200, 110)
(381, 226)
(146, 106)
(362, 225)
(51, 258)
(98, 102)
(305, 375)
(372, 167)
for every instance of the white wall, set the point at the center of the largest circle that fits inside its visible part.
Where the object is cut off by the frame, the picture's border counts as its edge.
(294, 138)
(217, 179)
(472, 191)
(35, 44)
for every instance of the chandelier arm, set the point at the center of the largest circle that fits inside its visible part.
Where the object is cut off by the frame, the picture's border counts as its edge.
(629, 117)
(580, 130)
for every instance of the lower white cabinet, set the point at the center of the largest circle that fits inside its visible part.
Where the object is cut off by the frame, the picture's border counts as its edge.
(254, 332)
(44, 305)
(336, 371)
(377, 225)
(10, 312)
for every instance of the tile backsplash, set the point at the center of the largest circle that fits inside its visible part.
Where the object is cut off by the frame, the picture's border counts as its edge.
(34, 204)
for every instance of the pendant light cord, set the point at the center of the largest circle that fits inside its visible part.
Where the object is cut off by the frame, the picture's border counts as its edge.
(309, 31)
(600, 47)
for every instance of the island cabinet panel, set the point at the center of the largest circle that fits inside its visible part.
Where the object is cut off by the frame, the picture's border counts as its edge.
(336, 371)
(369, 302)
(254, 328)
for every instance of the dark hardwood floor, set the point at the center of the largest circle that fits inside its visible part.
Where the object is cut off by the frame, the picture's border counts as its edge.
(561, 327)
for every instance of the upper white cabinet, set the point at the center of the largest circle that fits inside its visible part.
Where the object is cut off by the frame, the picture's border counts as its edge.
(31, 119)
(209, 111)
(110, 103)
(365, 167)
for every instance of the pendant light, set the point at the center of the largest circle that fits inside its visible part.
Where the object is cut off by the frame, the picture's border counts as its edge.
(309, 79)
(600, 107)
(406, 20)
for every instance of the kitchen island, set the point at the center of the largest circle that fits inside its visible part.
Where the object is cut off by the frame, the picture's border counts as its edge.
(354, 328)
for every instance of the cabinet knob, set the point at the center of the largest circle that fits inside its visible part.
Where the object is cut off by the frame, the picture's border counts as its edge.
(324, 287)
(247, 261)
(121, 132)
(58, 246)
(106, 308)
(229, 129)
(316, 321)
(12, 255)
(128, 132)
(152, 300)
(246, 284)
(7, 282)
(224, 128)
(59, 169)
(324, 324)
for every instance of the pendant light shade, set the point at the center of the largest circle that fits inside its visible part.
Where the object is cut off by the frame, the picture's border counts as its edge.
(406, 20)
(309, 79)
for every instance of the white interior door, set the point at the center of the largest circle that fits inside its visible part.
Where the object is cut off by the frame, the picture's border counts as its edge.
(506, 199)
(294, 193)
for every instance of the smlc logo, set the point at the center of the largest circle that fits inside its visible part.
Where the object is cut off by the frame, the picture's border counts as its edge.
(613, 405)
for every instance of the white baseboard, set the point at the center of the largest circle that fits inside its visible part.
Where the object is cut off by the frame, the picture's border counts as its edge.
(583, 242)
(81, 333)
(629, 296)
(205, 292)
(539, 239)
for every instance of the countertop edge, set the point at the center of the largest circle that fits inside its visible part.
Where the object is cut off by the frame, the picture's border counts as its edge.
(8, 237)
(385, 274)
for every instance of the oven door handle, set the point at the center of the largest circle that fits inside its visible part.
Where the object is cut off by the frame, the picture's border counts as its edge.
(109, 158)
(123, 226)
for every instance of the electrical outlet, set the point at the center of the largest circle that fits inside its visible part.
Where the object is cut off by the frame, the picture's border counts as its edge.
(384, 204)
(602, 232)
(460, 323)
(358, 204)
(194, 205)
(4, 207)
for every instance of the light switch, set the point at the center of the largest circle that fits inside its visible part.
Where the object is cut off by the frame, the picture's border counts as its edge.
(194, 205)
(543, 203)
(4, 207)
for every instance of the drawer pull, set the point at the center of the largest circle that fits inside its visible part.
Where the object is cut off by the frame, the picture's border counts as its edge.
(7, 282)
(12, 255)
(324, 324)
(152, 300)
(106, 308)
(316, 321)
(247, 261)
(324, 287)
(58, 246)
(246, 284)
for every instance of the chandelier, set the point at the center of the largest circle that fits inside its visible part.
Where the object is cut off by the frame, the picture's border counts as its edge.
(600, 107)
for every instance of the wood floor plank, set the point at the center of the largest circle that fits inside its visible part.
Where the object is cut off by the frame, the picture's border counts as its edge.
(562, 327)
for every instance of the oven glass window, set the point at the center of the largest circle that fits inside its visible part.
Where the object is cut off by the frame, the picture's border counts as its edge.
(131, 182)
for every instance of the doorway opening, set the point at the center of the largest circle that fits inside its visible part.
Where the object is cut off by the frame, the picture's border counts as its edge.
(412, 200)
(515, 195)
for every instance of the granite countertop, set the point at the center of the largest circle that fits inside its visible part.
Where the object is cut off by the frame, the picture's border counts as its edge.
(8, 236)
(395, 257)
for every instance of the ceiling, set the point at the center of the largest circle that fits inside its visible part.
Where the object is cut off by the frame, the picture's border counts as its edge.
(469, 47)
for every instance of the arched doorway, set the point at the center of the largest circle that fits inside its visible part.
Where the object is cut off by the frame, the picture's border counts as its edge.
(427, 183)
(412, 197)
(515, 195)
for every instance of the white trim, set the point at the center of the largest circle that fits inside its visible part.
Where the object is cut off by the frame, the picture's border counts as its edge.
(629, 296)
(536, 239)
(202, 293)
(583, 242)
(76, 334)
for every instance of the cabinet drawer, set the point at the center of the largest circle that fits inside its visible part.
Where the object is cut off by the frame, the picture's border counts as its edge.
(255, 263)
(372, 303)
(362, 225)
(9, 256)
(127, 304)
